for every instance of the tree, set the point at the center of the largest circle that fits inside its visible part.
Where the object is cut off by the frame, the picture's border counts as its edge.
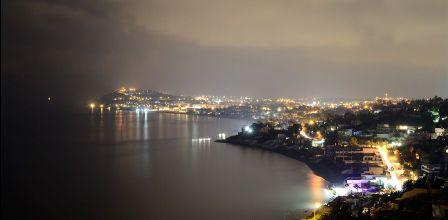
(353, 141)
(339, 210)
(408, 185)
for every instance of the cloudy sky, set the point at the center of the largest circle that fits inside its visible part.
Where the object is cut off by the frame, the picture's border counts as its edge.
(292, 48)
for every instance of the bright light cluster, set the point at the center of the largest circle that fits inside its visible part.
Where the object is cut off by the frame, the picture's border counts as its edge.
(395, 182)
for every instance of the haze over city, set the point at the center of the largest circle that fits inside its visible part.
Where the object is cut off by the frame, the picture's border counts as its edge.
(79, 50)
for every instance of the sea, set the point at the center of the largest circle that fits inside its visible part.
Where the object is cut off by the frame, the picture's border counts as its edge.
(100, 164)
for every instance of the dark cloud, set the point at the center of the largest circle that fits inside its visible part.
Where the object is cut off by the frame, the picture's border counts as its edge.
(260, 48)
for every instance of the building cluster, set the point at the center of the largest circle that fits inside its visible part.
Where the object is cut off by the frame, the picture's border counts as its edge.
(377, 148)
(390, 159)
(279, 109)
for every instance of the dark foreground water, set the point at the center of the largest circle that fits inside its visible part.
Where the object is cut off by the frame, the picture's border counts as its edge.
(146, 166)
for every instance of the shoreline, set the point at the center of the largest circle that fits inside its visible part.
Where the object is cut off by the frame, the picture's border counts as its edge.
(324, 168)
(186, 113)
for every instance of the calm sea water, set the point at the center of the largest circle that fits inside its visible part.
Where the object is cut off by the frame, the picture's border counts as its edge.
(146, 166)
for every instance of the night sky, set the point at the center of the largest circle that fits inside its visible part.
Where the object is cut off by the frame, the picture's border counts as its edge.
(77, 50)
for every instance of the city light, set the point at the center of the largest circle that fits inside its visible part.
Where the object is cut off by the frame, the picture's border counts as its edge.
(341, 191)
(316, 206)
(395, 144)
(395, 182)
(201, 139)
(303, 133)
(92, 105)
(403, 127)
(337, 191)
(248, 129)
(222, 136)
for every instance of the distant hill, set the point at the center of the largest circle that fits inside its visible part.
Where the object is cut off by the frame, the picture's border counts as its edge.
(140, 95)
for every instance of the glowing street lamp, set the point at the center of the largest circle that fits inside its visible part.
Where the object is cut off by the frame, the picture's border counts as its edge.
(316, 206)
(248, 129)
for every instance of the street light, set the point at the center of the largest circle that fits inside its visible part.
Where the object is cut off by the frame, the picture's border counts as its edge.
(248, 129)
(316, 206)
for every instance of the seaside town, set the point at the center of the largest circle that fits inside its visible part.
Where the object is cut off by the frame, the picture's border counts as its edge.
(385, 157)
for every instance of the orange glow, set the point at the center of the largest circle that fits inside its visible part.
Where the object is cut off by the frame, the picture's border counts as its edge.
(318, 135)
(317, 185)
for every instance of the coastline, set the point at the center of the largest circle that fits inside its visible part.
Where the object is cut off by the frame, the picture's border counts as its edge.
(186, 113)
(324, 168)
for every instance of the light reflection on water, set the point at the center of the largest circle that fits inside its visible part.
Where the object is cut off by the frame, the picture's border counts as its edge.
(132, 126)
(317, 186)
(167, 175)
